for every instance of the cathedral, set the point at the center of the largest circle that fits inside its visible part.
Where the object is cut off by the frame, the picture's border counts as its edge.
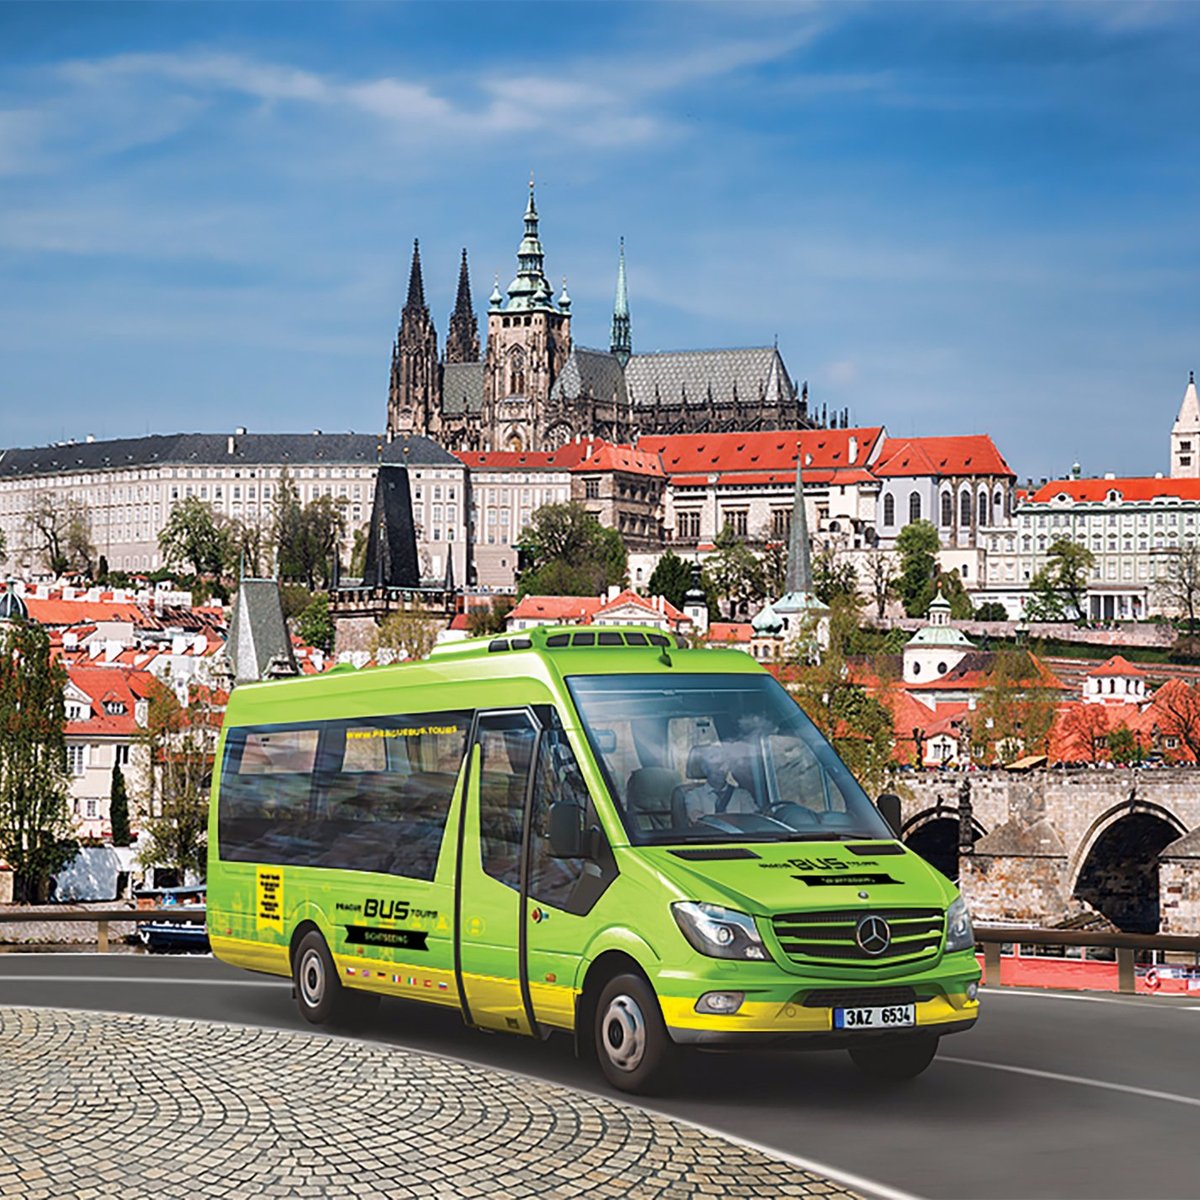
(531, 388)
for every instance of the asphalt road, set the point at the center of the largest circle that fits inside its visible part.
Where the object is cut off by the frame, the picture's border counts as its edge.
(1051, 1095)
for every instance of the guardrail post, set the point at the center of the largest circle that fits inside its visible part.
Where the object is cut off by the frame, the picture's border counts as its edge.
(102, 936)
(1126, 975)
(991, 963)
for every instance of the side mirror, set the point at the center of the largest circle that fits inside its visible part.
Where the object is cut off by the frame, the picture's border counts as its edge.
(566, 830)
(889, 810)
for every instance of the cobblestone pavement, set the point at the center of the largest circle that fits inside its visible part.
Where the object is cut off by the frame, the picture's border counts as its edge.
(95, 1106)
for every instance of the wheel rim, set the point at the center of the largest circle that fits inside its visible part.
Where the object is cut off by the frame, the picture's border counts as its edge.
(623, 1033)
(312, 978)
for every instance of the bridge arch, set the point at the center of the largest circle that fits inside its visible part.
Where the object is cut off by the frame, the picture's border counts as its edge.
(1114, 868)
(934, 835)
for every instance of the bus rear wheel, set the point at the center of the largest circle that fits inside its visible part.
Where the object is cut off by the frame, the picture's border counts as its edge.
(893, 1060)
(635, 1051)
(319, 993)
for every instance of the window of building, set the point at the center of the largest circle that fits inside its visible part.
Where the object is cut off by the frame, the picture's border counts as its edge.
(914, 506)
(736, 519)
(122, 756)
(983, 508)
(591, 489)
(687, 524)
(947, 509)
(76, 759)
(964, 510)
(889, 509)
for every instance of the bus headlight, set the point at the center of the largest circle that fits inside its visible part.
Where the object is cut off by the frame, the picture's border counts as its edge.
(719, 932)
(960, 933)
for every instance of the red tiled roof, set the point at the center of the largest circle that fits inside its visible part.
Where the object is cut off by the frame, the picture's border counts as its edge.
(628, 596)
(56, 611)
(556, 608)
(103, 685)
(730, 631)
(732, 454)
(1134, 489)
(606, 456)
(1117, 665)
(974, 454)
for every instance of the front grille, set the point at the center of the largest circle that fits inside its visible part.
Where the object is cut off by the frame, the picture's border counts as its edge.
(828, 937)
(858, 997)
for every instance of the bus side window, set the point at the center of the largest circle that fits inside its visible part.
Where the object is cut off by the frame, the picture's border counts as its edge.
(505, 749)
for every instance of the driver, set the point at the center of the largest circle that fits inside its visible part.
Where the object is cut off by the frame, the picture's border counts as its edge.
(718, 793)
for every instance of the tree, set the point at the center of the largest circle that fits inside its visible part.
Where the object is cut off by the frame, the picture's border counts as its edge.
(733, 571)
(1177, 708)
(1015, 709)
(35, 816)
(315, 624)
(118, 808)
(250, 549)
(834, 577)
(882, 578)
(1059, 589)
(490, 619)
(196, 536)
(405, 634)
(178, 742)
(671, 579)
(1084, 729)
(358, 554)
(772, 566)
(991, 610)
(1179, 587)
(950, 585)
(1124, 746)
(308, 537)
(61, 534)
(918, 545)
(567, 552)
(3, 547)
(857, 723)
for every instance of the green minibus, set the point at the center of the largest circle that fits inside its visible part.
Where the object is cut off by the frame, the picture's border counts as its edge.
(595, 830)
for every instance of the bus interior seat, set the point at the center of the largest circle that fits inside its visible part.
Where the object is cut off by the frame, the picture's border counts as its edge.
(698, 756)
(648, 797)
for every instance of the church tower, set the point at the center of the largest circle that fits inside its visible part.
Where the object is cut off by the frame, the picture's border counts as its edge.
(529, 340)
(1185, 436)
(413, 393)
(462, 335)
(621, 342)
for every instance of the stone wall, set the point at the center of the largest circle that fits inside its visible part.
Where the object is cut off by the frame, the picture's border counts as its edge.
(1049, 845)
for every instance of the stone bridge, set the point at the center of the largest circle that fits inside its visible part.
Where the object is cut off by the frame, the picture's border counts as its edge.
(1045, 846)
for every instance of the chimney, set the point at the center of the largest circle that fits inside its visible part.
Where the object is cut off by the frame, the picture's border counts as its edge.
(852, 450)
(230, 444)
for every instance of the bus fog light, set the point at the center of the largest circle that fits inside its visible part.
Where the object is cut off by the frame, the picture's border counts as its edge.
(972, 990)
(721, 1004)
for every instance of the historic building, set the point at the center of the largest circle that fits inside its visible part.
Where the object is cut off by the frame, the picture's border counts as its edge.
(532, 389)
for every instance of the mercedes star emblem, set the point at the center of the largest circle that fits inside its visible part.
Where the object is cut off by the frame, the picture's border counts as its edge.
(873, 934)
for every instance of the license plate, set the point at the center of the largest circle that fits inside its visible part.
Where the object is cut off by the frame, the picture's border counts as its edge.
(893, 1016)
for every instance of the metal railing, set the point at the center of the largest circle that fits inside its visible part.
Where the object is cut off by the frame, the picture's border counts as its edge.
(179, 914)
(993, 937)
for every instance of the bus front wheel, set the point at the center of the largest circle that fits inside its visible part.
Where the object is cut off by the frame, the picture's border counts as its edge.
(635, 1051)
(893, 1060)
(319, 993)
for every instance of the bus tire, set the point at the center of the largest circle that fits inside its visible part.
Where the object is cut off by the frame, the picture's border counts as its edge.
(319, 993)
(632, 1045)
(893, 1060)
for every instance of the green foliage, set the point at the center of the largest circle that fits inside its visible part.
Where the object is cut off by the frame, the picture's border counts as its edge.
(858, 724)
(1015, 710)
(61, 533)
(991, 610)
(834, 577)
(118, 808)
(178, 744)
(405, 634)
(672, 578)
(1059, 590)
(569, 553)
(950, 584)
(3, 547)
(917, 545)
(358, 554)
(196, 536)
(733, 571)
(1124, 747)
(315, 624)
(294, 598)
(307, 536)
(492, 619)
(772, 565)
(35, 815)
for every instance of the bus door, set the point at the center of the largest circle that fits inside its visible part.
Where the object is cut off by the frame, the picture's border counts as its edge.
(493, 838)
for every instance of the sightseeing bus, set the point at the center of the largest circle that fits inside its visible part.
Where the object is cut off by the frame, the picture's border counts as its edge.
(593, 830)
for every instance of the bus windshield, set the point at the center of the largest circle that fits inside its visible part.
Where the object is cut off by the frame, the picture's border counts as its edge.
(718, 758)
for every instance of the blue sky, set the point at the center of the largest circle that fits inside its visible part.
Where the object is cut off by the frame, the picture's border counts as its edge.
(956, 218)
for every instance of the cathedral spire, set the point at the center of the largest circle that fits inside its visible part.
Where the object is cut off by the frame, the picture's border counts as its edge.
(462, 334)
(416, 285)
(621, 342)
(530, 289)
(799, 561)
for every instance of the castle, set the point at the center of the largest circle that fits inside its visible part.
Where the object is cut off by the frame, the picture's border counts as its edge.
(532, 389)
